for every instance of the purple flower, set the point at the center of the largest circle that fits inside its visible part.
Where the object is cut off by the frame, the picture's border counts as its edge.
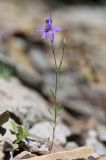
(48, 30)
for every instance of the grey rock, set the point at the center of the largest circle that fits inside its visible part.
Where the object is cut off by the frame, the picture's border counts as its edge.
(25, 103)
(44, 130)
(30, 77)
(71, 145)
(88, 99)
(24, 155)
(83, 107)
(67, 85)
(84, 16)
(39, 59)
(37, 145)
(92, 140)
(99, 147)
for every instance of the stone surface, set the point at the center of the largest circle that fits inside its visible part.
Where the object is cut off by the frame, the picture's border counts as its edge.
(71, 145)
(24, 155)
(77, 96)
(8, 136)
(83, 152)
(37, 146)
(25, 103)
(70, 89)
(101, 158)
(93, 141)
(22, 67)
(44, 130)
(39, 59)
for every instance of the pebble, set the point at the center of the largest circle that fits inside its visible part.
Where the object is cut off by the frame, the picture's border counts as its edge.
(101, 133)
(71, 145)
(37, 146)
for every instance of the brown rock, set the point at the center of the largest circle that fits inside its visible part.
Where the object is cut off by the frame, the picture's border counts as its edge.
(4, 116)
(83, 152)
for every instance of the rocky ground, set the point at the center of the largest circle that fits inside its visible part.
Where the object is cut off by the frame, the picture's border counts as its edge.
(27, 73)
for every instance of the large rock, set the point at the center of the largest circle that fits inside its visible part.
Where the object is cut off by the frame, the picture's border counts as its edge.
(75, 95)
(25, 103)
(80, 153)
(93, 141)
(45, 130)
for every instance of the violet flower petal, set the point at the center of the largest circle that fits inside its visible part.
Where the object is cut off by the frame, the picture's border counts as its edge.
(44, 35)
(56, 29)
(50, 21)
(51, 36)
(48, 26)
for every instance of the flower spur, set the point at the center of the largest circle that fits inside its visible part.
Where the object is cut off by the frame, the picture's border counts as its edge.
(49, 30)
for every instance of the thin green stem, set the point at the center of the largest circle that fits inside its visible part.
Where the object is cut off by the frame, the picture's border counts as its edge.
(61, 61)
(55, 97)
(57, 69)
(53, 136)
(54, 56)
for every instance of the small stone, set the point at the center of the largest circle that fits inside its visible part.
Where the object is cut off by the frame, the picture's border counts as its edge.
(71, 145)
(93, 141)
(4, 115)
(91, 158)
(102, 133)
(37, 146)
(45, 130)
(24, 155)
(95, 155)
